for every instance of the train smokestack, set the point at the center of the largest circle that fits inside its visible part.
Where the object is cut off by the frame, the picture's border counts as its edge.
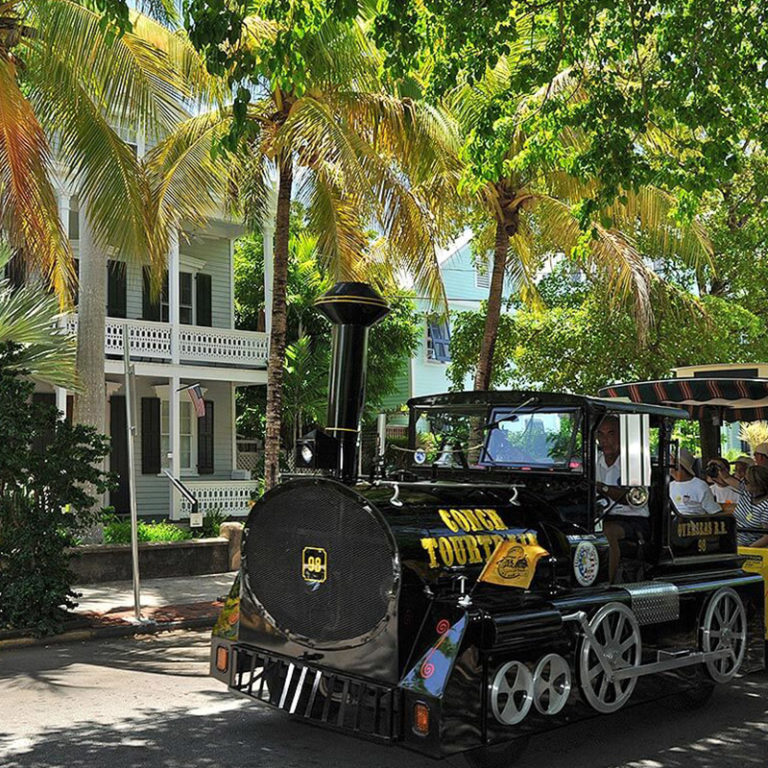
(352, 308)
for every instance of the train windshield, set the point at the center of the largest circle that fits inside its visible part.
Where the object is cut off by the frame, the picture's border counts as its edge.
(545, 438)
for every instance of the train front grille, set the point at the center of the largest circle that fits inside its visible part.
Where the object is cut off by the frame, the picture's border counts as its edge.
(322, 696)
(321, 563)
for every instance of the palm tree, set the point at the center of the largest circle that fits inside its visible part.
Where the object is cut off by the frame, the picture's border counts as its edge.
(525, 212)
(66, 87)
(341, 141)
(28, 316)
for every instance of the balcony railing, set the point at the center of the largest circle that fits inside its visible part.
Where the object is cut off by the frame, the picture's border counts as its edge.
(230, 497)
(197, 344)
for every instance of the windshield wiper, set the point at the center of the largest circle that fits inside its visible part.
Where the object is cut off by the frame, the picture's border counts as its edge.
(506, 416)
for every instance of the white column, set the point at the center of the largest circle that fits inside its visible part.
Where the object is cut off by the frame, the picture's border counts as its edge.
(231, 283)
(174, 425)
(268, 233)
(173, 294)
(61, 392)
(233, 421)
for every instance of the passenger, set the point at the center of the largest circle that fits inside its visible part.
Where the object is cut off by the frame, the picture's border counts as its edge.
(740, 466)
(751, 511)
(690, 494)
(623, 521)
(761, 455)
(724, 495)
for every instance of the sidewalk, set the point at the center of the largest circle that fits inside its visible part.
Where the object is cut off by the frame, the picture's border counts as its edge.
(106, 610)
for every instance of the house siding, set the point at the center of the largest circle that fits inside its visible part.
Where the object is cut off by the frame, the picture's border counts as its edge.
(153, 491)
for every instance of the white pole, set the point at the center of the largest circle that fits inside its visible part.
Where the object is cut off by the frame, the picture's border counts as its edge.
(129, 416)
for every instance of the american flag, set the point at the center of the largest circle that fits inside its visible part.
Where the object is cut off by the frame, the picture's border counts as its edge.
(196, 396)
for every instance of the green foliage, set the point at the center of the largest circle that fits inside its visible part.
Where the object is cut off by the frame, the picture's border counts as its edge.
(391, 343)
(582, 342)
(48, 488)
(119, 531)
(212, 521)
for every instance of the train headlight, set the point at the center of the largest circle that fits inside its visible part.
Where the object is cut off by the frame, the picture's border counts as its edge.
(306, 454)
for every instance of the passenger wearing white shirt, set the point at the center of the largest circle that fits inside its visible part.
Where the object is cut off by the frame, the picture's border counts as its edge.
(722, 492)
(690, 494)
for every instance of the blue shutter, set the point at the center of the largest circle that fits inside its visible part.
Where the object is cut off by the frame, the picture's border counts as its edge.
(441, 339)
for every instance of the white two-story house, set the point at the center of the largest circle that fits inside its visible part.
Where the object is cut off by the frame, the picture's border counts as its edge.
(187, 337)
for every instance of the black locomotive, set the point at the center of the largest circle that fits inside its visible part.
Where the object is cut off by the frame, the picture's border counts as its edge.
(462, 601)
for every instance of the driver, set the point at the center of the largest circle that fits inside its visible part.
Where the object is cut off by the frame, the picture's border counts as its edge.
(623, 521)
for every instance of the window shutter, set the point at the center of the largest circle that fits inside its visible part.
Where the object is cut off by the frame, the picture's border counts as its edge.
(441, 339)
(116, 289)
(205, 441)
(150, 435)
(150, 310)
(204, 300)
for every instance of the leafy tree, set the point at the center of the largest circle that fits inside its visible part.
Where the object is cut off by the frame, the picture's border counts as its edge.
(312, 102)
(47, 468)
(391, 342)
(688, 74)
(526, 204)
(580, 342)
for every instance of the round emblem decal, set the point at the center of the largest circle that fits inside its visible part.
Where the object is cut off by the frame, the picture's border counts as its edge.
(419, 456)
(586, 563)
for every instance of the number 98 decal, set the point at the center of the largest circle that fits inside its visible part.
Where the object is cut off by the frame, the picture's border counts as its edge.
(314, 564)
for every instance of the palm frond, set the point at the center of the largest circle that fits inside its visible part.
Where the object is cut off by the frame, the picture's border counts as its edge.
(27, 202)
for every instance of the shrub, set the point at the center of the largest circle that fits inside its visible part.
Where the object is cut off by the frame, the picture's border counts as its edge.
(48, 486)
(212, 524)
(119, 531)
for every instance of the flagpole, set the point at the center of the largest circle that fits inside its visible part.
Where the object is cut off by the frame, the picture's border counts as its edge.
(131, 427)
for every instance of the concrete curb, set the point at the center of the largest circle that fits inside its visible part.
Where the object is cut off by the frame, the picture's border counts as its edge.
(111, 631)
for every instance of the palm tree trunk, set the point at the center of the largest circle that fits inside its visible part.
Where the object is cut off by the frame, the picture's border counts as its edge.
(485, 358)
(90, 402)
(279, 317)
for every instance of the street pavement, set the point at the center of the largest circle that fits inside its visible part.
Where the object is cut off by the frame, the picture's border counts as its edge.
(146, 700)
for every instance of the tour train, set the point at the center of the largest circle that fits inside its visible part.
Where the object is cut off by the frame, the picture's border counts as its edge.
(461, 601)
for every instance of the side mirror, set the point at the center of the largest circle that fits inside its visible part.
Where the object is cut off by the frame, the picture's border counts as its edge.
(635, 453)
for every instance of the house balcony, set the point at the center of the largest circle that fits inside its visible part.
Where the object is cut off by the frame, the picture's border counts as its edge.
(186, 344)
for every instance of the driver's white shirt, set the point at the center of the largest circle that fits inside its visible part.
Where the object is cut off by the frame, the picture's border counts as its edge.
(611, 475)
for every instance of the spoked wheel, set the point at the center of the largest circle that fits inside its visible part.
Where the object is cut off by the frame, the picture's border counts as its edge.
(616, 637)
(498, 756)
(724, 627)
(511, 693)
(551, 684)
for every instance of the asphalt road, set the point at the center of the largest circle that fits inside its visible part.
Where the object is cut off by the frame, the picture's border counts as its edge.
(148, 702)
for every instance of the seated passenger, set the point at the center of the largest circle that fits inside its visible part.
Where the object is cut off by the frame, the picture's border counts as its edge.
(751, 511)
(724, 495)
(623, 521)
(690, 494)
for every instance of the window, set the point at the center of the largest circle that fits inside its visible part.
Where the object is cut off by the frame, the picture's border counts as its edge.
(187, 433)
(438, 342)
(186, 301)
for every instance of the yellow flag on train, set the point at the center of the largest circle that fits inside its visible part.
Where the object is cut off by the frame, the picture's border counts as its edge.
(513, 563)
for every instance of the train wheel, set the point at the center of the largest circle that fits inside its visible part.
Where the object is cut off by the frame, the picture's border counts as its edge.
(615, 637)
(511, 692)
(498, 756)
(724, 627)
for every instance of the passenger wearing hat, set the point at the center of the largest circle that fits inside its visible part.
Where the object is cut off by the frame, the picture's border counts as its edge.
(740, 465)
(690, 494)
(761, 455)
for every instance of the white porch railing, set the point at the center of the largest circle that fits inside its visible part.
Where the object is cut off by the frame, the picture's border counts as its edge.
(197, 344)
(230, 497)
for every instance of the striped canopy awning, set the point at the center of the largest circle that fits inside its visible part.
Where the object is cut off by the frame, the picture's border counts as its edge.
(734, 399)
